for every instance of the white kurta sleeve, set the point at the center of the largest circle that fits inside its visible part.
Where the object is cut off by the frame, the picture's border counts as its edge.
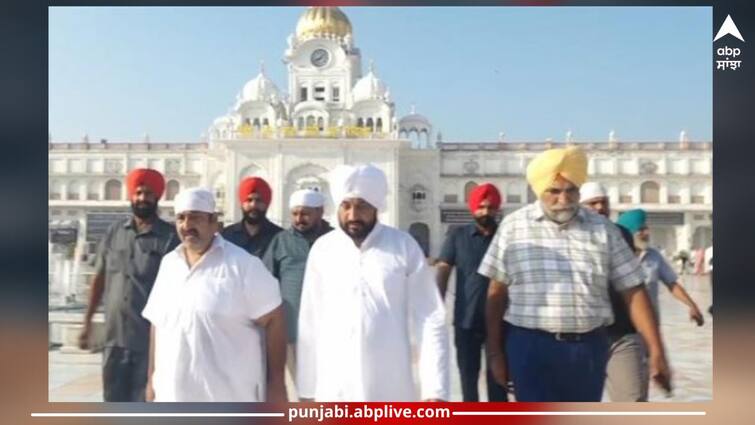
(154, 309)
(306, 350)
(428, 315)
(261, 289)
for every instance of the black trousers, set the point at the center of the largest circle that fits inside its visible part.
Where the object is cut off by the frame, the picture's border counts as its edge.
(124, 374)
(469, 349)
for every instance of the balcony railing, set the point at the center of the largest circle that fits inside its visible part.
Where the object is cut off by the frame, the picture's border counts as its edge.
(311, 132)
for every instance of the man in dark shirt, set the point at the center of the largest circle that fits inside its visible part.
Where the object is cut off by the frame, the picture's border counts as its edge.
(126, 266)
(286, 258)
(627, 372)
(254, 232)
(464, 248)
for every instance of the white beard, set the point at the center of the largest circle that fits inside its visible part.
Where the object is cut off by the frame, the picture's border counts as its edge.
(640, 244)
(561, 216)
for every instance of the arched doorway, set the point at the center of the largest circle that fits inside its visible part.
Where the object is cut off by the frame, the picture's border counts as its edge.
(171, 190)
(113, 190)
(421, 233)
(650, 193)
(468, 188)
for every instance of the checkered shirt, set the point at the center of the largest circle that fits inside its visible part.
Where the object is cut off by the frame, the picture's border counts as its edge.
(558, 275)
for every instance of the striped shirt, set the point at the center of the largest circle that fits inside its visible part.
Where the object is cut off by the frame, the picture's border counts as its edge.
(558, 275)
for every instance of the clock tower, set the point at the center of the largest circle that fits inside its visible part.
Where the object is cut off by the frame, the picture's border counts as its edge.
(323, 66)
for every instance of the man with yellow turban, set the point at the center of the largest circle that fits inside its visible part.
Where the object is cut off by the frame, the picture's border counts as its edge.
(128, 258)
(550, 265)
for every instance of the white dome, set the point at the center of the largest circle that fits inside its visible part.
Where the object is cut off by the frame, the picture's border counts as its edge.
(260, 88)
(414, 120)
(369, 87)
(222, 121)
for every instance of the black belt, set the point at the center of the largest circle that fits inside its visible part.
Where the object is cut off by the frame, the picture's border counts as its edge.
(565, 336)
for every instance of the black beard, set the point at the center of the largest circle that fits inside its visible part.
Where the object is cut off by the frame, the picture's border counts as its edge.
(361, 234)
(248, 219)
(310, 231)
(144, 210)
(485, 221)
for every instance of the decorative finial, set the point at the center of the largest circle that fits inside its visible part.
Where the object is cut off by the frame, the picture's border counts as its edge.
(372, 66)
(262, 67)
(568, 136)
(412, 109)
(683, 136)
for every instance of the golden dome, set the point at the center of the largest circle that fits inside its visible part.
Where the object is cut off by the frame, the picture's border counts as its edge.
(322, 20)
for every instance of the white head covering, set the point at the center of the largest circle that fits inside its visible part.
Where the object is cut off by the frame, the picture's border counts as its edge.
(360, 181)
(592, 190)
(194, 199)
(306, 198)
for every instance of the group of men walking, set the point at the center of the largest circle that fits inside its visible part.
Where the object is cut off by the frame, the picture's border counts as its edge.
(558, 299)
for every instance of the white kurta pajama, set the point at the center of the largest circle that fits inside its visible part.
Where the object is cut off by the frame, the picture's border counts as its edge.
(358, 306)
(207, 347)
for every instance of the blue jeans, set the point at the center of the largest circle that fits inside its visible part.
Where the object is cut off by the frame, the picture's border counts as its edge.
(546, 369)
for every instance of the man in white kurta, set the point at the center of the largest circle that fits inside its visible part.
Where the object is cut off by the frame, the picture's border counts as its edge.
(367, 291)
(208, 308)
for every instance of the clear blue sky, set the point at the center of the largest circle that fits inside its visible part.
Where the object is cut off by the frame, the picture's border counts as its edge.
(533, 73)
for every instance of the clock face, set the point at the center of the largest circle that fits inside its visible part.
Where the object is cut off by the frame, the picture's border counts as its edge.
(320, 58)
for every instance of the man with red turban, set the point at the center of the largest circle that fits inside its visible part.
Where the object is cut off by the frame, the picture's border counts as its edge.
(254, 232)
(464, 248)
(128, 258)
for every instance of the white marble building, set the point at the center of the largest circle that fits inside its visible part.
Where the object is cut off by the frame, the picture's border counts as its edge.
(332, 114)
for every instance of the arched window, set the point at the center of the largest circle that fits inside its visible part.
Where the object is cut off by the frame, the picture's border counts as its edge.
(93, 193)
(468, 188)
(674, 193)
(650, 193)
(265, 122)
(426, 132)
(625, 193)
(310, 121)
(698, 194)
(513, 195)
(72, 194)
(379, 125)
(360, 122)
(256, 124)
(171, 189)
(320, 123)
(300, 123)
(113, 190)
(370, 124)
(55, 191)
